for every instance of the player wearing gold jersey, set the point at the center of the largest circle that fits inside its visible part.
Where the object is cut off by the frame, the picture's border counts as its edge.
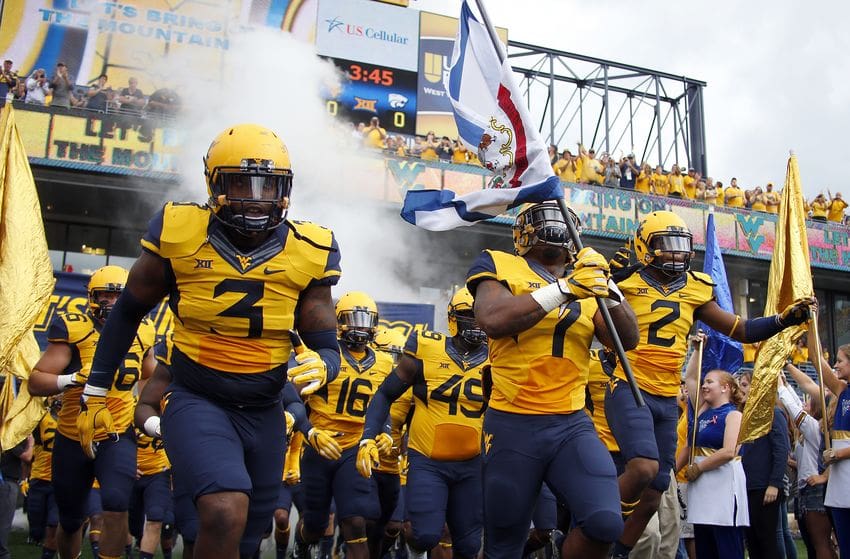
(239, 276)
(667, 298)
(537, 309)
(41, 504)
(151, 500)
(444, 448)
(337, 412)
(64, 367)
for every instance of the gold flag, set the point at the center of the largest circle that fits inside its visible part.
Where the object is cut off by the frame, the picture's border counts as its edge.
(20, 413)
(790, 279)
(26, 273)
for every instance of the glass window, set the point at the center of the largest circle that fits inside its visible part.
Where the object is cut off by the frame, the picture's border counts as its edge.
(82, 263)
(88, 239)
(756, 298)
(123, 261)
(125, 242)
(57, 235)
(56, 257)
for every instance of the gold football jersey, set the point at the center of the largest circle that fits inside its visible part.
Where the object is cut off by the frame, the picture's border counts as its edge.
(80, 333)
(233, 310)
(340, 406)
(150, 455)
(448, 398)
(42, 454)
(542, 370)
(665, 315)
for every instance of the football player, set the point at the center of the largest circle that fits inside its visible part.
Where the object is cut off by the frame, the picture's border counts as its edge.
(444, 447)
(667, 297)
(64, 367)
(337, 412)
(152, 496)
(387, 474)
(42, 514)
(537, 308)
(235, 270)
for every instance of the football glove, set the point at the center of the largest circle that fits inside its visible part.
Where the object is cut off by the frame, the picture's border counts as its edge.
(797, 312)
(385, 444)
(324, 443)
(63, 382)
(24, 485)
(621, 264)
(95, 421)
(368, 457)
(589, 278)
(292, 464)
(290, 423)
(310, 374)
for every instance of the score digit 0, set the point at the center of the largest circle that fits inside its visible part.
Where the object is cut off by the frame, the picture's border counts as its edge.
(398, 119)
(333, 107)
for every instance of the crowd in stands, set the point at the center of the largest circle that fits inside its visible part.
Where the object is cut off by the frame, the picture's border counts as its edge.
(60, 90)
(584, 167)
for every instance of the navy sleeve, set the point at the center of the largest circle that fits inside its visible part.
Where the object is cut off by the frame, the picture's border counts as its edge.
(293, 404)
(780, 448)
(379, 407)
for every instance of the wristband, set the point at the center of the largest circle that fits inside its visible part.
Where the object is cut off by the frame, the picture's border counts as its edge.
(151, 426)
(90, 390)
(62, 381)
(549, 297)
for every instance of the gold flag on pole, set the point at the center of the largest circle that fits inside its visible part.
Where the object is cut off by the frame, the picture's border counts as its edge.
(26, 274)
(21, 411)
(790, 279)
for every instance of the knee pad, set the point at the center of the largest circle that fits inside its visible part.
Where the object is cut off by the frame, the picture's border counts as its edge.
(603, 526)
(424, 542)
(467, 547)
(71, 524)
(113, 500)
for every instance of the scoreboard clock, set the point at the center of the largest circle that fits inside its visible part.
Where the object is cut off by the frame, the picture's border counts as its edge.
(373, 90)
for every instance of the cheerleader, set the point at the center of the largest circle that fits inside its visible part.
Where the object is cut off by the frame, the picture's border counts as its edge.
(717, 489)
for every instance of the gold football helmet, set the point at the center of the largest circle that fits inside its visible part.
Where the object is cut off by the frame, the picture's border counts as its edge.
(461, 318)
(248, 176)
(663, 241)
(109, 279)
(543, 223)
(357, 318)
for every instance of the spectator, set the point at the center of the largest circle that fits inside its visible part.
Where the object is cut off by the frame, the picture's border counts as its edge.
(658, 184)
(612, 173)
(691, 180)
(131, 97)
(163, 102)
(397, 146)
(836, 208)
(758, 202)
(460, 154)
(62, 87)
(734, 196)
(20, 91)
(819, 207)
(643, 181)
(374, 136)
(720, 193)
(37, 87)
(444, 150)
(629, 172)
(771, 199)
(711, 194)
(8, 81)
(12, 469)
(592, 171)
(699, 193)
(566, 167)
(428, 147)
(553, 154)
(676, 183)
(99, 94)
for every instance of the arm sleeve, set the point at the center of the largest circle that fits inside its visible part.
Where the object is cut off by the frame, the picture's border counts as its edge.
(379, 408)
(762, 328)
(293, 404)
(324, 343)
(116, 338)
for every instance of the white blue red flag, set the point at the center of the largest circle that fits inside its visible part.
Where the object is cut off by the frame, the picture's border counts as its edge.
(492, 120)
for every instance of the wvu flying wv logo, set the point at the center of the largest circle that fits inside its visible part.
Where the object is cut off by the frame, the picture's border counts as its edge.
(365, 105)
(488, 442)
(334, 23)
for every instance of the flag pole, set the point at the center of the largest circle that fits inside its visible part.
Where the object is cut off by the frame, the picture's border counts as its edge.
(818, 362)
(696, 402)
(562, 205)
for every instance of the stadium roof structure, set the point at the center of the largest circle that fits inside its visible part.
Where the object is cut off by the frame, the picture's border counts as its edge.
(612, 107)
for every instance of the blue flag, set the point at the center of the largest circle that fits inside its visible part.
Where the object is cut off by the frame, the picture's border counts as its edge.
(720, 351)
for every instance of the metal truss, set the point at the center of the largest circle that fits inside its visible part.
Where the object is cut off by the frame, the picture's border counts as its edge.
(612, 107)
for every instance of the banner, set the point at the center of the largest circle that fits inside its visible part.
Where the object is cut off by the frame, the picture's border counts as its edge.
(138, 38)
